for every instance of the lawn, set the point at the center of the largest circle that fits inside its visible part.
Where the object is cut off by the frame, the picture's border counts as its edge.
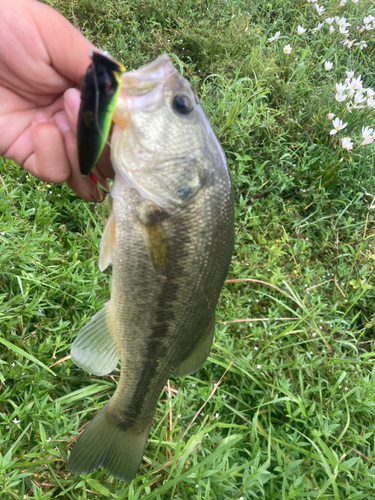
(284, 407)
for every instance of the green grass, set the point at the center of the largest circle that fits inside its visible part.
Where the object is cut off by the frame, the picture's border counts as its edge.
(293, 417)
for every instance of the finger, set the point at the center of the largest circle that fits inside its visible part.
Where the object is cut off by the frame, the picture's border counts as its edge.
(104, 164)
(84, 187)
(58, 34)
(49, 162)
(72, 102)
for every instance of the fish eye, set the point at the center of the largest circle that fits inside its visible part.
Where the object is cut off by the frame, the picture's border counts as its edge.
(182, 104)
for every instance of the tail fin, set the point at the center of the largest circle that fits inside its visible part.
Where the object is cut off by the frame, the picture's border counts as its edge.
(103, 444)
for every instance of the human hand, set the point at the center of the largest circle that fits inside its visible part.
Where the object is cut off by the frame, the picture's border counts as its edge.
(43, 58)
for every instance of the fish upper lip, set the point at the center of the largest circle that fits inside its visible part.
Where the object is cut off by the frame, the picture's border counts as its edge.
(144, 80)
(144, 88)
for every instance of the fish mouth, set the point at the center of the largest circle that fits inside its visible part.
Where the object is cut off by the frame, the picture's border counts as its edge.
(141, 88)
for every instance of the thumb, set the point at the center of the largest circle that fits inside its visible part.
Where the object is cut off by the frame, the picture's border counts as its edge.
(49, 161)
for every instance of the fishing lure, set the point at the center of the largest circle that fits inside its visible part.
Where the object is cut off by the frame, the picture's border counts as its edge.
(99, 91)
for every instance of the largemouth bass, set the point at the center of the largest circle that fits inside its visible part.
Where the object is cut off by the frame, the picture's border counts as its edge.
(169, 239)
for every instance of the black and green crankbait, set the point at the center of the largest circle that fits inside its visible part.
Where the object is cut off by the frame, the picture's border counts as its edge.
(99, 92)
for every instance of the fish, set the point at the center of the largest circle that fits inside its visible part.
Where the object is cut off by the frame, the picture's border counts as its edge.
(169, 238)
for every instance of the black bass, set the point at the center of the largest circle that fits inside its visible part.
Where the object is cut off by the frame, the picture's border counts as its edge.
(169, 239)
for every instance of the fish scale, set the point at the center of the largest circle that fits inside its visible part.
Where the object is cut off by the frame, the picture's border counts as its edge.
(169, 300)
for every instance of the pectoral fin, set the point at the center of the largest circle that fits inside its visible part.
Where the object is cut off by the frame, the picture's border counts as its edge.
(94, 349)
(157, 246)
(196, 359)
(107, 243)
(150, 217)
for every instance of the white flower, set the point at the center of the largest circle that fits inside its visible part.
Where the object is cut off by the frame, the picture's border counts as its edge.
(362, 44)
(349, 106)
(356, 83)
(367, 135)
(320, 10)
(342, 3)
(216, 415)
(368, 19)
(328, 65)
(350, 74)
(368, 27)
(371, 102)
(12, 364)
(342, 22)
(331, 29)
(330, 20)
(259, 367)
(347, 143)
(340, 88)
(331, 116)
(343, 30)
(370, 92)
(368, 140)
(320, 25)
(300, 30)
(359, 97)
(15, 421)
(348, 43)
(274, 37)
(287, 49)
(338, 125)
(355, 1)
(340, 97)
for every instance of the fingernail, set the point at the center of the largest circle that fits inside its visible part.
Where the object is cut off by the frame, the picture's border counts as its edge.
(41, 118)
(62, 122)
(72, 98)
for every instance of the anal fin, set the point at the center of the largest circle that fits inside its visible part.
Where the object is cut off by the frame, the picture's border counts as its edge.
(195, 360)
(94, 349)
